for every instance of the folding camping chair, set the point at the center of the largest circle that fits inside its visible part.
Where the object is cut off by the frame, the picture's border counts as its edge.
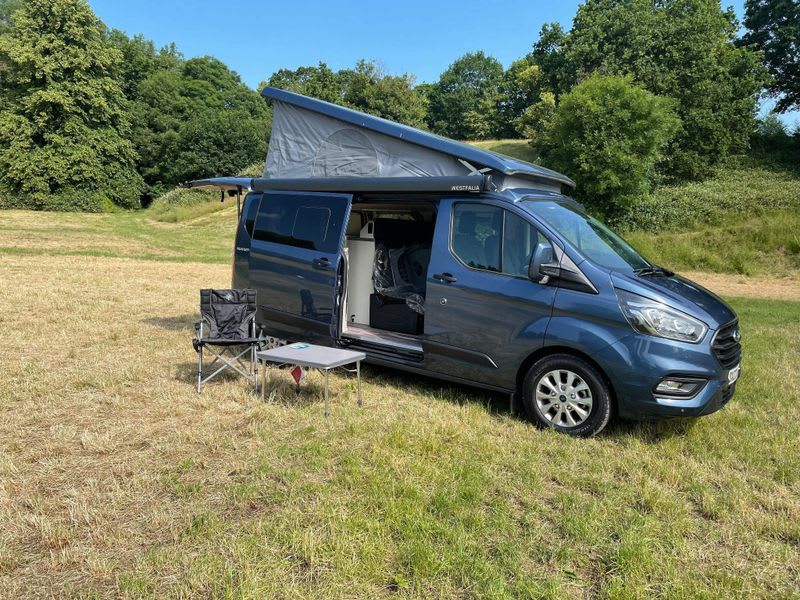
(227, 322)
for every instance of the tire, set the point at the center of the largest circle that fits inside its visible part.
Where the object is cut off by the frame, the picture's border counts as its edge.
(566, 393)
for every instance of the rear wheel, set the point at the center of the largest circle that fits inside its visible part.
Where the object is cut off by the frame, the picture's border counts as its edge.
(567, 394)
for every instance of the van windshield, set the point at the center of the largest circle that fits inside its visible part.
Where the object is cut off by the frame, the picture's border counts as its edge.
(595, 241)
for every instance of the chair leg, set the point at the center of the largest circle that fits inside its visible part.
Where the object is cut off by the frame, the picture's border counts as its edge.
(199, 369)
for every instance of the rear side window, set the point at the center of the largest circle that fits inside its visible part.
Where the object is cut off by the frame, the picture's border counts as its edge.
(250, 211)
(301, 220)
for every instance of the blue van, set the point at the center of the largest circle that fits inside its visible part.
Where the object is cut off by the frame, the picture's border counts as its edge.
(491, 276)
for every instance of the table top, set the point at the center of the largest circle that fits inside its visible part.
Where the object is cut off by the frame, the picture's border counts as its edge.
(310, 355)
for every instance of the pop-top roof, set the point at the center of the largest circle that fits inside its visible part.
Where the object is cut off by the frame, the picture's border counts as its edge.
(314, 138)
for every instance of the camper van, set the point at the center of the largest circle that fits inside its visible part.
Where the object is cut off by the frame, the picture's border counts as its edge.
(442, 259)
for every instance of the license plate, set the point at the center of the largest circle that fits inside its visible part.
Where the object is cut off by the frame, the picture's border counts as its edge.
(733, 374)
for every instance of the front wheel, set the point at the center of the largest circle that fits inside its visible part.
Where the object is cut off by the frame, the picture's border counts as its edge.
(567, 394)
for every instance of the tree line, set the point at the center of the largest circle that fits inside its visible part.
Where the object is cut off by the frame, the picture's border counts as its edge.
(634, 93)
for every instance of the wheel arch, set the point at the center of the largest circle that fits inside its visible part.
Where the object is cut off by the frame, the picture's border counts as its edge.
(537, 355)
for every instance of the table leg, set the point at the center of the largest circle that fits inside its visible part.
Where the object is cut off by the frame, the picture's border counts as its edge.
(358, 376)
(264, 381)
(326, 392)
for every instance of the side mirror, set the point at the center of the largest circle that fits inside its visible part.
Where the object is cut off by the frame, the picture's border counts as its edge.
(542, 262)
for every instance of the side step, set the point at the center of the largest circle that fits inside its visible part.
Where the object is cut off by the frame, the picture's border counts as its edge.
(390, 353)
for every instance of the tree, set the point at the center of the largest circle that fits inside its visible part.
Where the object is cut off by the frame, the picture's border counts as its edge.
(683, 49)
(463, 103)
(365, 88)
(392, 97)
(317, 82)
(608, 134)
(7, 10)
(774, 28)
(195, 119)
(63, 127)
(140, 60)
(548, 55)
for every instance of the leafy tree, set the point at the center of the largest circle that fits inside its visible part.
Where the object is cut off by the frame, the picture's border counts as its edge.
(194, 119)
(774, 28)
(608, 134)
(548, 55)
(317, 82)
(7, 10)
(365, 88)
(683, 49)
(392, 97)
(63, 127)
(140, 60)
(463, 103)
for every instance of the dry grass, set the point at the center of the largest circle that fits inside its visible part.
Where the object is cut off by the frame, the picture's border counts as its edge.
(116, 479)
(778, 288)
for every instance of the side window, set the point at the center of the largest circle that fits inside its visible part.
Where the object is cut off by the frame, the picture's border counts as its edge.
(476, 235)
(519, 241)
(493, 239)
(301, 220)
(249, 213)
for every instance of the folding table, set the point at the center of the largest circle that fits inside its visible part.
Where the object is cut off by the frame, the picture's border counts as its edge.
(313, 357)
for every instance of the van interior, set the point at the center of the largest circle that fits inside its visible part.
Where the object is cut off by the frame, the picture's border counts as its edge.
(387, 251)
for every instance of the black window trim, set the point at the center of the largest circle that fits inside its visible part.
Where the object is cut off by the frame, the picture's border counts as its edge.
(502, 236)
(255, 198)
(348, 198)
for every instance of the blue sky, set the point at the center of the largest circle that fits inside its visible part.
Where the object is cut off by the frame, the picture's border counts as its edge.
(420, 37)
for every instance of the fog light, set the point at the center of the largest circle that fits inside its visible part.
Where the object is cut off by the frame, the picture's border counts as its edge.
(679, 386)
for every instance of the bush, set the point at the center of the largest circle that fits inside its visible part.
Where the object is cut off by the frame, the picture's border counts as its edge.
(743, 186)
(607, 134)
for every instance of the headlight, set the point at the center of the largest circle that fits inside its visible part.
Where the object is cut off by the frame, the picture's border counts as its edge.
(653, 318)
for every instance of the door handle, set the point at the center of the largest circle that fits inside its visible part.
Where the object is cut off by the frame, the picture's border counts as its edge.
(445, 277)
(321, 263)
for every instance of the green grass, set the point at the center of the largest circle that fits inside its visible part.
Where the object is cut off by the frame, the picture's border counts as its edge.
(520, 149)
(762, 244)
(206, 238)
(441, 493)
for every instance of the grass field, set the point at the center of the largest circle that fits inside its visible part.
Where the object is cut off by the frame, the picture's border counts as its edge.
(116, 479)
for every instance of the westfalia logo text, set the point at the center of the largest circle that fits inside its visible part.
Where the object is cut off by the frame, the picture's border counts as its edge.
(465, 188)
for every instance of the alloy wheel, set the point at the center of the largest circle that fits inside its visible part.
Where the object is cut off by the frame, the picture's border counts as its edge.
(563, 398)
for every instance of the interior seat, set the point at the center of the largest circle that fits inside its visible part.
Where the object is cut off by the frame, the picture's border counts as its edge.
(465, 242)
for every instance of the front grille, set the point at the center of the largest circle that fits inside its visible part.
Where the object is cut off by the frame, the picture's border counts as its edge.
(726, 346)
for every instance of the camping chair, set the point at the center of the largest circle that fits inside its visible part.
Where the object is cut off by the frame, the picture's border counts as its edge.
(227, 322)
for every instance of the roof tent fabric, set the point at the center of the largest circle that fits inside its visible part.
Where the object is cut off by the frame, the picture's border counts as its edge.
(309, 144)
(313, 138)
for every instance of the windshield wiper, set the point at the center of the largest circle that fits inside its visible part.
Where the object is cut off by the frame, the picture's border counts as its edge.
(653, 270)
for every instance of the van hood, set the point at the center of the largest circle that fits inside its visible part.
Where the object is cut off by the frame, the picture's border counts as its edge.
(679, 293)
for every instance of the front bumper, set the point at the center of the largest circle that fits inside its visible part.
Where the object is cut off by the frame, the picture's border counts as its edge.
(636, 363)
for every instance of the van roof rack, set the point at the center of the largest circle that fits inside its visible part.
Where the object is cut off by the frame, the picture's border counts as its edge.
(475, 183)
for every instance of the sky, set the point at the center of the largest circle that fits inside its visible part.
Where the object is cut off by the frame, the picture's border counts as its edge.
(256, 38)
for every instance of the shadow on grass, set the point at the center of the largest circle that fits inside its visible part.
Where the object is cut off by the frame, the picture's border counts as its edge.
(282, 389)
(456, 393)
(650, 432)
(181, 323)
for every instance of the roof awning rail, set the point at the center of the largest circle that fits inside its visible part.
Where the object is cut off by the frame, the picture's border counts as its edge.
(474, 184)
